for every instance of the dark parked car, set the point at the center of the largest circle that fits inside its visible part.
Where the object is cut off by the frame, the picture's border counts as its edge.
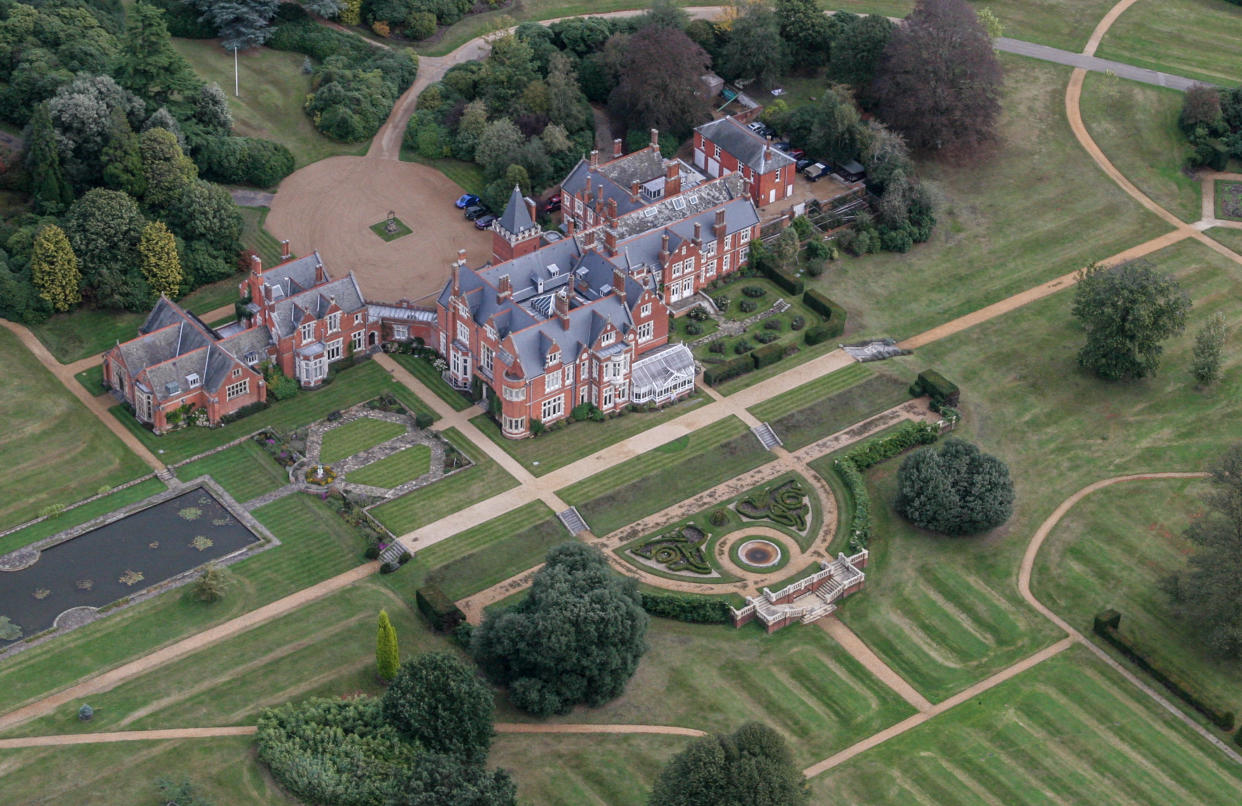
(485, 221)
(554, 204)
(475, 211)
(802, 164)
(466, 200)
(796, 153)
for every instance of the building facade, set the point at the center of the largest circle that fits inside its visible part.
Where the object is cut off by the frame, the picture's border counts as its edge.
(725, 145)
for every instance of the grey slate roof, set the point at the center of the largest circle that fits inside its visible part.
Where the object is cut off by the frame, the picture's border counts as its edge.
(292, 311)
(516, 217)
(639, 166)
(748, 147)
(293, 277)
(696, 200)
(575, 183)
(586, 322)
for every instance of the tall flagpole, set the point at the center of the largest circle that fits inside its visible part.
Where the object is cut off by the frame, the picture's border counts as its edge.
(236, 80)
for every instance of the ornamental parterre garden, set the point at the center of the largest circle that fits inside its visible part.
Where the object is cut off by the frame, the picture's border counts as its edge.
(721, 466)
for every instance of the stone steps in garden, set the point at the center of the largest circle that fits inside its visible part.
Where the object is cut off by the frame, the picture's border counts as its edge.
(766, 436)
(573, 521)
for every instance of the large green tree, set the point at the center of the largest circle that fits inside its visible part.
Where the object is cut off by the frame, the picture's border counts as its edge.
(576, 638)
(955, 490)
(857, 49)
(54, 269)
(497, 145)
(1127, 310)
(508, 68)
(440, 703)
(438, 780)
(168, 171)
(1207, 595)
(49, 189)
(157, 252)
(149, 65)
(807, 31)
(755, 48)
(104, 227)
(241, 23)
(122, 158)
(659, 73)
(750, 767)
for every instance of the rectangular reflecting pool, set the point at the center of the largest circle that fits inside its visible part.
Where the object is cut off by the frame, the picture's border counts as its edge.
(121, 558)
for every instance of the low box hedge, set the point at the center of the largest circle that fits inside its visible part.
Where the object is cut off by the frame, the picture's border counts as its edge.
(869, 454)
(768, 354)
(728, 369)
(441, 611)
(1107, 625)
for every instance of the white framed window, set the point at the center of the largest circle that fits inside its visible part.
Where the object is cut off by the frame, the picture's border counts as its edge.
(463, 332)
(622, 393)
(334, 322)
(515, 394)
(515, 425)
(646, 330)
(358, 339)
(358, 318)
(709, 248)
(717, 154)
(607, 399)
(237, 389)
(710, 269)
(742, 254)
(192, 380)
(334, 349)
(724, 262)
(728, 242)
(645, 310)
(236, 374)
(569, 374)
(608, 338)
(461, 364)
(308, 331)
(400, 331)
(744, 236)
(485, 357)
(553, 408)
(554, 357)
(491, 332)
(252, 358)
(551, 381)
(677, 269)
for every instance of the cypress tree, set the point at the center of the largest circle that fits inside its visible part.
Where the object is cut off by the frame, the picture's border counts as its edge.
(157, 252)
(122, 159)
(54, 268)
(51, 191)
(150, 66)
(386, 657)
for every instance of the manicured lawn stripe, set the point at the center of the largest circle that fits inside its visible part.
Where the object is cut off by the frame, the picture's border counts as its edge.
(837, 411)
(395, 470)
(572, 772)
(657, 479)
(811, 393)
(92, 379)
(79, 515)
(552, 450)
(245, 471)
(457, 491)
(345, 440)
(1193, 38)
(505, 547)
(355, 385)
(431, 378)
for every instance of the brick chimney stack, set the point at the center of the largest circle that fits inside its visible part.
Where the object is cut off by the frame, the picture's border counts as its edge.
(618, 282)
(672, 178)
(719, 229)
(461, 256)
(588, 239)
(530, 208)
(655, 139)
(634, 191)
(610, 237)
(612, 211)
(256, 264)
(284, 250)
(562, 309)
(594, 157)
(504, 288)
(664, 247)
(456, 278)
(698, 234)
(616, 148)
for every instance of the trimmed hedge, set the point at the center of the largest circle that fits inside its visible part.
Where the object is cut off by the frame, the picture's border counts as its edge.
(767, 355)
(831, 311)
(440, 610)
(819, 333)
(689, 608)
(243, 161)
(719, 373)
(1107, 625)
(869, 454)
(942, 391)
(791, 284)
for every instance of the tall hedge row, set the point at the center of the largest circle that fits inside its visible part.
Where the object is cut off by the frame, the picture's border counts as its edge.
(687, 607)
(871, 453)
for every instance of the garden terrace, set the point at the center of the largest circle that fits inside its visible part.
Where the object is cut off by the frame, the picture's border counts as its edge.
(245, 471)
(667, 474)
(139, 550)
(52, 448)
(563, 445)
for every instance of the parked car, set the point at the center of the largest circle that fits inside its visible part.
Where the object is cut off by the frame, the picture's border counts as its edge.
(554, 204)
(466, 200)
(802, 165)
(484, 221)
(815, 172)
(785, 146)
(476, 211)
(796, 153)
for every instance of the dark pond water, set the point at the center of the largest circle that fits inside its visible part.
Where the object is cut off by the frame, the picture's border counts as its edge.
(104, 564)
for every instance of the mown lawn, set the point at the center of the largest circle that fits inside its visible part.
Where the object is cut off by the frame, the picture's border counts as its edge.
(396, 469)
(1231, 238)
(830, 403)
(92, 379)
(245, 471)
(355, 385)
(52, 448)
(554, 449)
(431, 378)
(1001, 223)
(1069, 730)
(257, 238)
(80, 515)
(1136, 127)
(461, 489)
(273, 89)
(670, 473)
(945, 612)
(1113, 549)
(345, 440)
(89, 332)
(799, 681)
(316, 543)
(493, 551)
(1193, 38)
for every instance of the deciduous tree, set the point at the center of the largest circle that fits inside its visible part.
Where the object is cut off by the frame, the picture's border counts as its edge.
(660, 72)
(387, 658)
(956, 490)
(211, 584)
(939, 81)
(157, 251)
(750, 767)
(808, 33)
(54, 269)
(1205, 594)
(149, 65)
(567, 106)
(755, 48)
(576, 638)
(1127, 310)
(438, 780)
(1209, 342)
(857, 49)
(168, 171)
(104, 227)
(498, 143)
(440, 703)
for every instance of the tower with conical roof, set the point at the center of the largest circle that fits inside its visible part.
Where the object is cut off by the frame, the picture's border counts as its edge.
(515, 233)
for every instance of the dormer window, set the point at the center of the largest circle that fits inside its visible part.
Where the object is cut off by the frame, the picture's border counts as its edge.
(554, 357)
(193, 381)
(645, 310)
(308, 331)
(334, 322)
(236, 373)
(252, 358)
(491, 332)
(608, 338)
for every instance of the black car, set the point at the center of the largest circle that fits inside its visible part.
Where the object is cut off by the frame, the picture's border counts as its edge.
(475, 212)
(484, 221)
(802, 164)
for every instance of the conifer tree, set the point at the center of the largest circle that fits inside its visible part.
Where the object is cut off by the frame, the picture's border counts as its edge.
(122, 160)
(386, 657)
(54, 268)
(157, 251)
(51, 191)
(150, 66)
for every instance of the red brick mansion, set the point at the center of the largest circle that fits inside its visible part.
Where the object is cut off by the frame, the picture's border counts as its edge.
(552, 322)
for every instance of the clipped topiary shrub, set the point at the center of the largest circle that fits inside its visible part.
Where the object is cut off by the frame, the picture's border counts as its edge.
(440, 611)
(728, 369)
(688, 608)
(941, 390)
(767, 354)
